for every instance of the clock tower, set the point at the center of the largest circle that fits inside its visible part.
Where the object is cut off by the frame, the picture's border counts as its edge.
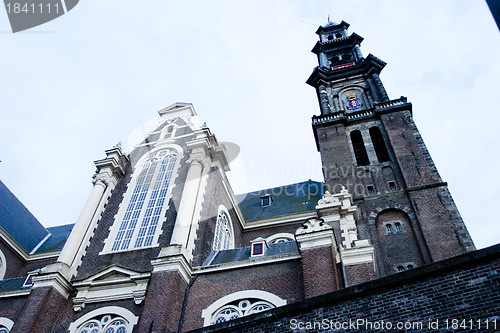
(370, 145)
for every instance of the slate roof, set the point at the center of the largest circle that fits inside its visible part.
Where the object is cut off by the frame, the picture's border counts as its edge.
(57, 239)
(16, 220)
(288, 199)
(25, 229)
(244, 253)
(12, 284)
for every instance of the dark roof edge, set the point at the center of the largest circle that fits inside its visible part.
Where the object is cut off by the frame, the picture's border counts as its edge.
(281, 186)
(419, 273)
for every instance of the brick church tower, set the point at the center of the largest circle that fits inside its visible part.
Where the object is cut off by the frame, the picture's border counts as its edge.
(370, 144)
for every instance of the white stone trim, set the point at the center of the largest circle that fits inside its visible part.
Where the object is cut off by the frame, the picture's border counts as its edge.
(317, 239)
(113, 231)
(360, 255)
(287, 235)
(53, 280)
(6, 322)
(244, 294)
(103, 287)
(3, 265)
(122, 312)
(15, 293)
(173, 258)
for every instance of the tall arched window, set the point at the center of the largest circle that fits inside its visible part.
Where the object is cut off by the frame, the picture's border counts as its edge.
(222, 238)
(379, 144)
(358, 146)
(146, 203)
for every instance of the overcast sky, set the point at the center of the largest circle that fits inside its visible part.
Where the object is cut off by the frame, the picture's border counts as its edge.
(76, 86)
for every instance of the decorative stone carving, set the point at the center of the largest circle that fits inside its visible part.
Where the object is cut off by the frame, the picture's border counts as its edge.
(312, 225)
(328, 199)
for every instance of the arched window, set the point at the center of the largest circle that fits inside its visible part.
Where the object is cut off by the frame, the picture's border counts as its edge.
(389, 229)
(222, 239)
(358, 146)
(240, 304)
(147, 203)
(239, 309)
(379, 145)
(110, 319)
(398, 227)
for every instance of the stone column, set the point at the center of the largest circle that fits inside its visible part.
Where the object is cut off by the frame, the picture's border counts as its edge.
(185, 213)
(74, 240)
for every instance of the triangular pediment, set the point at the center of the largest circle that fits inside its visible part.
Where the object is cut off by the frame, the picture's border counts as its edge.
(114, 273)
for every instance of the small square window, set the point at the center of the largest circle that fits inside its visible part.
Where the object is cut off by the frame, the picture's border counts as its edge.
(266, 200)
(257, 249)
(392, 186)
(371, 189)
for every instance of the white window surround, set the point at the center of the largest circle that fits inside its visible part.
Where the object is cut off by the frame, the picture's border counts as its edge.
(208, 313)
(282, 236)
(7, 323)
(125, 314)
(223, 238)
(3, 265)
(122, 210)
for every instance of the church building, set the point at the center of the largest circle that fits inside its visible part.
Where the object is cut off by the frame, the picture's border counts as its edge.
(163, 244)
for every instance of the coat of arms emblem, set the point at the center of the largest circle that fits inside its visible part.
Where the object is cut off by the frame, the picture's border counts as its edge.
(353, 102)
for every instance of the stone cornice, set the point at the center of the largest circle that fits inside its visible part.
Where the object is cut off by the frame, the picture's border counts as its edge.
(173, 258)
(55, 280)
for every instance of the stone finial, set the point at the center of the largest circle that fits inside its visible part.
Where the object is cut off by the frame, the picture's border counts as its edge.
(312, 225)
(344, 190)
(327, 199)
(118, 145)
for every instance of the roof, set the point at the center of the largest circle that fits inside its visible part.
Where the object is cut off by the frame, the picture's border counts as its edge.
(244, 253)
(286, 200)
(57, 239)
(16, 219)
(12, 284)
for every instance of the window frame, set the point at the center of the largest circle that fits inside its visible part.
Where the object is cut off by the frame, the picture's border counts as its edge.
(109, 243)
(222, 211)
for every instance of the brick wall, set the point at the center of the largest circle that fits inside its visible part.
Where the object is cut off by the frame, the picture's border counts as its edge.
(430, 298)
(319, 271)
(282, 279)
(356, 274)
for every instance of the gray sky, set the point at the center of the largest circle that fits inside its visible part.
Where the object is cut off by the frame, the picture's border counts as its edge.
(74, 87)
